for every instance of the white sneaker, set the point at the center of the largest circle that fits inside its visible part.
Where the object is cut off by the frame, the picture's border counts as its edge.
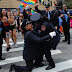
(13, 44)
(16, 45)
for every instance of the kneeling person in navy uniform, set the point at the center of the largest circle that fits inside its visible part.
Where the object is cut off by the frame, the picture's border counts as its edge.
(31, 48)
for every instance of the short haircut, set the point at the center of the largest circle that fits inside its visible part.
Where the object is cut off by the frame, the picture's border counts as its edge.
(65, 4)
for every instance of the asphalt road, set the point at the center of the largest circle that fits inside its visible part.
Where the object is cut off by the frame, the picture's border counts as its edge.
(62, 57)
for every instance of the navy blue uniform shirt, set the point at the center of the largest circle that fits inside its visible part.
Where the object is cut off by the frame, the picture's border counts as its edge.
(65, 12)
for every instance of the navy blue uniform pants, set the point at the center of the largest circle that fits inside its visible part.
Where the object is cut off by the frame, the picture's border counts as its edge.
(47, 53)
(27, 68)
(0, 50)
(66, 28)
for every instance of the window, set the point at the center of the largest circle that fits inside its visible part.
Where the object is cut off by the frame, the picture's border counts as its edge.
(54, 2)
(51, 3)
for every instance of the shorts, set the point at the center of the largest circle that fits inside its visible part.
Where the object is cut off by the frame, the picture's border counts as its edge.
(9, 27)
(13, 27)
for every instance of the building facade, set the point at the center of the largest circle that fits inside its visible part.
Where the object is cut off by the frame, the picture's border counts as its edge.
(15, 3)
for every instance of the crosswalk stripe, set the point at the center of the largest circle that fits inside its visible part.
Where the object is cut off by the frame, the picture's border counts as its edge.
(12, 43)
(13, 50)
(59, 67)
(57, 51)
(9, 40)
(21, 48)
(20, 58)
(11, 60)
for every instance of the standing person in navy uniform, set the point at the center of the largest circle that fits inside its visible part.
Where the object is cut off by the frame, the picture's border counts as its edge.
(3, 29)
(47, 13)
(56, 14)
(46, 27)
(66, 26)
(31, 48)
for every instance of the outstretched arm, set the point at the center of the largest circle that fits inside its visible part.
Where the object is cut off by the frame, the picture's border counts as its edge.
(35, 38)
(36, 8)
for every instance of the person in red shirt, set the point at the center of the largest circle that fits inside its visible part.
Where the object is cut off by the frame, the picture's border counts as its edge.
(4, 18)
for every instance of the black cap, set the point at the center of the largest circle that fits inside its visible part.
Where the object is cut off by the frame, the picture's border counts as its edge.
(56, 5)
(47, 6)
(35, 18)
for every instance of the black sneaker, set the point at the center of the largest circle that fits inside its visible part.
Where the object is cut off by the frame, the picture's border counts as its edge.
(68, 42)
(0, 67)
(7, 49)
(1, 58)
(64, 40)
(49, 67)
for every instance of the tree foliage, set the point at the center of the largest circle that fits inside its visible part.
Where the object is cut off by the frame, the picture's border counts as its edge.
(68, 3)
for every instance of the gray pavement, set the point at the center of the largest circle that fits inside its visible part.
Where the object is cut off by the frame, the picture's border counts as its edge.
(62, 57)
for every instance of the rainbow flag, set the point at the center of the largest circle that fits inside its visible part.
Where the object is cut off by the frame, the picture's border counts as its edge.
(70, 22)
(21, 5)
(61, 29)
(53, 5)
(25, 1)
(24, 4)
(42, 0)
(0, 0)
(32, 2)
(60, 9)
(32, 12)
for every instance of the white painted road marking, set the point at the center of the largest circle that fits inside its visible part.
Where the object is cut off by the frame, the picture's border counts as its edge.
(12, 43)
(13, 50)
(59, 67)
(20, 58)
(11, 60)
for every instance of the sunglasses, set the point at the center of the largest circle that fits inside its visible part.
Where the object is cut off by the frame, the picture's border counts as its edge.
(64, 6)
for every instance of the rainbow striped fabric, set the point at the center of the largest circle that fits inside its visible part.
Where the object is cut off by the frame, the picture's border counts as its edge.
(25, 1)
(53, 5)
(20, 6)
(32, 12)
(24, 4)
(42, 0)
(32, 2)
